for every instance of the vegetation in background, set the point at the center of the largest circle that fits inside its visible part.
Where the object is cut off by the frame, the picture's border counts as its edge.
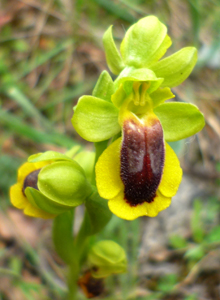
(51, 53)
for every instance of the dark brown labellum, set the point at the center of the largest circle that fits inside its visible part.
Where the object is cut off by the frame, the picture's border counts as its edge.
(31, 180)
(142, 160)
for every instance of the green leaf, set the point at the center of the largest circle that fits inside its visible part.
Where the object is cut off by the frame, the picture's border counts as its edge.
(104, 87)
(40, 201)
(197, 223)
(17, 95)
(95, 120)
(113, 56)
(16, 124)
(48, 155)
(98, 212)
(177, 242)
(116, 10)
(167, 282)
(177, 67)
(64, 182)
(145, 42)
(179, 120)
(214, 235)
(63, 236)
(131, 74)
(195, 253)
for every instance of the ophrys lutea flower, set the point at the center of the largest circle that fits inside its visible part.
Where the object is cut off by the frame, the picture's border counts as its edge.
(49, 184)
(139, 173)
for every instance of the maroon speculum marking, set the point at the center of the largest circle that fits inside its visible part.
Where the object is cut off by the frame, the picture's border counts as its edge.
(31, 180)
(142, 161)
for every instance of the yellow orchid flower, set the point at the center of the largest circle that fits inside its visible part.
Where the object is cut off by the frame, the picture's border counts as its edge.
(139, 173)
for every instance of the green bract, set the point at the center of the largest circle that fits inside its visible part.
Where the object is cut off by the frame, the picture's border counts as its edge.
(62, 183)
(107, 258)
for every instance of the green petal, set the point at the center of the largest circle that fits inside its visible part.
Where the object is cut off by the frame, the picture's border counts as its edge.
(95, 120)
(98, 212)
(179, 120)
(48, 155)
(131, 74)
(145, 42)
(161, 95)
(39, 200)
(104, 87)
(113, 56)
(64, 182)
(177, 67)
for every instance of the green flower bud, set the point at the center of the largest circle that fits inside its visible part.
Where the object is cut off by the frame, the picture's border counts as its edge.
(50, 184)
(107, 258)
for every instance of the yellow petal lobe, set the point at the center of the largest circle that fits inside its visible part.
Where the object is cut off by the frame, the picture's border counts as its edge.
(35, 212)
(122, 209)
(172, 173)
(108, 178)
(17, 197)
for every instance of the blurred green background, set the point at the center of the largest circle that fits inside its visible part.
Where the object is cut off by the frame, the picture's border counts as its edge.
(51, 53)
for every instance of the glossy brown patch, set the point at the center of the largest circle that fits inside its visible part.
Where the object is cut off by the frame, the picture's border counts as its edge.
(31, 180)
(142, 160)
(92, 287)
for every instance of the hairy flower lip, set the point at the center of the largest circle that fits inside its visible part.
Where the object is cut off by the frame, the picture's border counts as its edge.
(111, 187)
(142, 160)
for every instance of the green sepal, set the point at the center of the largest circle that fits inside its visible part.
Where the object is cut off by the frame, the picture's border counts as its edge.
(98, 213)
(95, 119)
(161, 95)
(64, 182)
(104, 87)
(107, 258)
(145, 42)
(177, 67)
(179, 120)
(48, 156)
(40, 201)
(130, 74)
(86, 160)
(113, 57)
(63, 236)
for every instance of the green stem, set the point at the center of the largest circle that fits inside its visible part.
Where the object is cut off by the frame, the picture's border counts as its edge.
(72, 280)
(82, 238)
